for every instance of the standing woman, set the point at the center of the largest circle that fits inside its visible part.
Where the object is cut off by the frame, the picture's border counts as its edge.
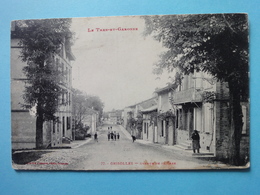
(195, 141)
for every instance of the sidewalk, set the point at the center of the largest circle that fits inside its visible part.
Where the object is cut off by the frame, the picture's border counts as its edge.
(126, 133)
(77, 143)
(174, 149)
(72, 145)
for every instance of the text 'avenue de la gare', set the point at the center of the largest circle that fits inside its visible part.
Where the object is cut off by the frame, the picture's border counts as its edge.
(111, 29)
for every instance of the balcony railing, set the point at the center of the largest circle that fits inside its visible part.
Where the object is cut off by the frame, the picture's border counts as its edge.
(189, 95)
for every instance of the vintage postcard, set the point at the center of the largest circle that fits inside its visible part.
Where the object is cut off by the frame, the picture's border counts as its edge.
(159, 92)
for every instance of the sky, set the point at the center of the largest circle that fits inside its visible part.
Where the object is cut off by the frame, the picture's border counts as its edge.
(115, 65)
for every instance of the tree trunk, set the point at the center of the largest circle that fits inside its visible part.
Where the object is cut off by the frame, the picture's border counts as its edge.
(236, 124)
(39, 127)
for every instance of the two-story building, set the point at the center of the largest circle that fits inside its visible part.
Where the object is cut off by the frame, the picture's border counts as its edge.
(201, 103)
(133, 116)
(24, 120)
(166, 119)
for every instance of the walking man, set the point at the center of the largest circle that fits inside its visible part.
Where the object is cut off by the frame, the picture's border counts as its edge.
(96, 137)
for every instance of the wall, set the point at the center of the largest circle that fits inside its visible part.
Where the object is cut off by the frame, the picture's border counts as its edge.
(23, 130)
(182, 136)
(170, 133)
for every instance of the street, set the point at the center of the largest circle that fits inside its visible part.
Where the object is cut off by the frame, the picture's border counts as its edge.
(120, 154)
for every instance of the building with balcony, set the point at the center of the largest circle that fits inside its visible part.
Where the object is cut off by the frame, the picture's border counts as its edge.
(201, 103)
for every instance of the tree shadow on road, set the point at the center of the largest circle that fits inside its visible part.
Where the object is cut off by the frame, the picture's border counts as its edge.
(22, 158)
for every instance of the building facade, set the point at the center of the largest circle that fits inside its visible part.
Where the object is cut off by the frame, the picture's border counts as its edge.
(166, 121)
(150, 124)
(91, 119)
(201, 103)
(24, 120)
(133, 119)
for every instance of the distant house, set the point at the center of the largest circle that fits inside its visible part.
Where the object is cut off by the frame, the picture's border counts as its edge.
(24, 120)
(133, 116)
(115, 116)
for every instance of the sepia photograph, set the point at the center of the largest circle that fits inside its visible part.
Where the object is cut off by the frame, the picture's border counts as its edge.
(151, 92)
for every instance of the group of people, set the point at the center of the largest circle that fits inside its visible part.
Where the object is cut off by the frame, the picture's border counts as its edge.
(113, 135)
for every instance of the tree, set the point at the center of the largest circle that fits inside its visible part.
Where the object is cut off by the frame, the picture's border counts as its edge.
(216, 44)
(96, 104)
(82, 103)
(40, 41)
(79, 107)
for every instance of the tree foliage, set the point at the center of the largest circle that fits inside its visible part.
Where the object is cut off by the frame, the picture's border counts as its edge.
(40, 41)
(82, 105)
(216, 44)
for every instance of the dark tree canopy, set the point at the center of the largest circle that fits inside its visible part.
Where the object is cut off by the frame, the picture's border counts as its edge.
(216, 44)
(40, 40)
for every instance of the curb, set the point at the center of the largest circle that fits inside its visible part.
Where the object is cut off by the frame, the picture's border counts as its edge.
(81, 144)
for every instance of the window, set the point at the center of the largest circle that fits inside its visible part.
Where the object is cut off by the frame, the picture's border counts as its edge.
(53, 126)
(58, 124)
(177, 121)
(162, 128)
(63, 126)
(62, 98)
(68, 123)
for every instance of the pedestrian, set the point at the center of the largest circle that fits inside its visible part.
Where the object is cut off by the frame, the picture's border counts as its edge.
(108, 136)
(115, 135)
(134, 138)
(195, 141)
(96, 136)
(118, 135)
(111, 136)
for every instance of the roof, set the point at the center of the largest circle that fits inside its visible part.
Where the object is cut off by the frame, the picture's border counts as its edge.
(146, 103)
(165, 89)
(152, 108)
